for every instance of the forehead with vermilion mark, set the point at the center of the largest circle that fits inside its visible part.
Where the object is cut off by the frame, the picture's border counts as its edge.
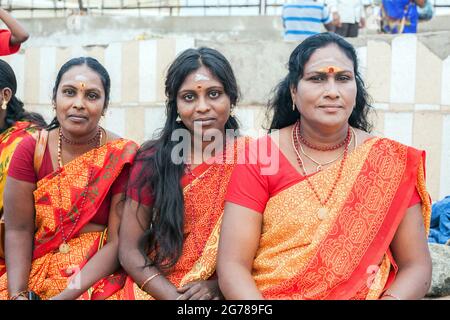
(330, 69)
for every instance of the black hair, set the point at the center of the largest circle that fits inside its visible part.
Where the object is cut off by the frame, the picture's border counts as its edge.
(15, 110)
(164, 239)
(94, 65)
(280, 106)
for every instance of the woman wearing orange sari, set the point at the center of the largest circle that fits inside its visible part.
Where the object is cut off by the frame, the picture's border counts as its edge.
(15, 124)
(341, 214)
(61, 193)
(169, 231)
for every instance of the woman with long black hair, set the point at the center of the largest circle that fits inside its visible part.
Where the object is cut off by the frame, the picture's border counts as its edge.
(169, 230)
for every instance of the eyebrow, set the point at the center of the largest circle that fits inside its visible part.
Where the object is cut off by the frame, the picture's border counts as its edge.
(321, 72)
(68, 85)
(215, 87)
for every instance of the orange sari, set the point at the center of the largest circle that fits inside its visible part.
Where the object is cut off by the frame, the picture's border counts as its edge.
(8, 143)
(51, 269)
(346, 254)
(204, 202)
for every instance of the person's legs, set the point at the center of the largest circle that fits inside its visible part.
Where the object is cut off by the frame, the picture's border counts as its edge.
(342, 30)
(352, 30)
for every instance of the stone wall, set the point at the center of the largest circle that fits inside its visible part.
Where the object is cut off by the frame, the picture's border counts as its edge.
(408, 77)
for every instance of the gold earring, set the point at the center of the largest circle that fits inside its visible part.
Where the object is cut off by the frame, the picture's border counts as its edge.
(178, 118)
(4, 105)
(293, 106)
(232, 111)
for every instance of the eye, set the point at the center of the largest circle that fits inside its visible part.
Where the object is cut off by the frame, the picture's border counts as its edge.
(69, 92)
(343, 78)
(214, 94)
(188, 97)
(92, 96)
(317, 78)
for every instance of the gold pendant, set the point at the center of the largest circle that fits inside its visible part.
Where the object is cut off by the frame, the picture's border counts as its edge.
(322, 213)
(64, 248)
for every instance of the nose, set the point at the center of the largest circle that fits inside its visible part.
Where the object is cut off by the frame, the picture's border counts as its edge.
(332, 90)
(78, 102)
(202, 105)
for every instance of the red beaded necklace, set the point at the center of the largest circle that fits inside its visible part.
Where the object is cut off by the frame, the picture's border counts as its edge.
(322, 213)
(64, 247)
(328, 148)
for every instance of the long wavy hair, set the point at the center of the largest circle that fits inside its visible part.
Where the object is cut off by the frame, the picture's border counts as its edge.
(279, 112)
(95, 66)
(164, 239)
(15, 110)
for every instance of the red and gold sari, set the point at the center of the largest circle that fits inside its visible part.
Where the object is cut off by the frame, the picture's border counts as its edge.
(9, 140)
(51, 269)
(345, 255)
(204, 202)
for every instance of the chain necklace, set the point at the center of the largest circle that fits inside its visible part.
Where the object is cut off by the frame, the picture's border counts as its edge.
(321, 165)
(329, 148)
(323, 211)
(64, 246)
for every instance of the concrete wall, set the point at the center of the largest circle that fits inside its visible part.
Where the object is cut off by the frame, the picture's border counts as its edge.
(408, 79)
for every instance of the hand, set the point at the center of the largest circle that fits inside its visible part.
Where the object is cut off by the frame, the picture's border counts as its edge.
(336, 20)
(200, 290)
(362, 23)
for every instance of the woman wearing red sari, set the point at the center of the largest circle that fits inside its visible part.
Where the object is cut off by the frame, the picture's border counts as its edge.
(344, 214)
(15, 124)
(169, 231)
(61, 193)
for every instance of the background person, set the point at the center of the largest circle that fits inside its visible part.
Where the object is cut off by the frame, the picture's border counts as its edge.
(11, 38)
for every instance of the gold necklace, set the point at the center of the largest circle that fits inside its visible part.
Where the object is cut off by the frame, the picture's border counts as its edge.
(321, 165)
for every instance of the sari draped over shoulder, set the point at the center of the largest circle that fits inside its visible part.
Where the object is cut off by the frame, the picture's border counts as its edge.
(8, 143)
(204, 202)
(345, 255)
(59, 203)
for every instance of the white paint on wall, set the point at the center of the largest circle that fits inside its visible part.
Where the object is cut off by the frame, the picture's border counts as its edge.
(361, 52)
(113, 63)
(445, 90)
(398, 126)
(155, 118)
(115, 120)
(17, 63)
(147, 70)
(47, 71)
(403, 69)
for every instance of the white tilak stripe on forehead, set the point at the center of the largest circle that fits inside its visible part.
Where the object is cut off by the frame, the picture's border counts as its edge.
(80, 77)
(200, 77)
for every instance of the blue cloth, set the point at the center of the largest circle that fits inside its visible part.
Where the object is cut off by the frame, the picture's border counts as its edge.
(440, 222)
(303, 19)
(396, 10)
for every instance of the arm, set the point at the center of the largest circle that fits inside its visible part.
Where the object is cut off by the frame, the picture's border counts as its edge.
(19, 224)
(410, 251)
(239, 241)
(102, 264)
(134, 222)
(420, 3)
(18, 33)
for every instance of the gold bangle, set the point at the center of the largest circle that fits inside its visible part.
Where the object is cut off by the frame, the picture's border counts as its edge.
(23, 293)
(149, 279)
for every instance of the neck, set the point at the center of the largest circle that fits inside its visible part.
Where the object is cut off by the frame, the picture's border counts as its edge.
(323, 136)
(2, 118)
(202, 150)
(77, 140)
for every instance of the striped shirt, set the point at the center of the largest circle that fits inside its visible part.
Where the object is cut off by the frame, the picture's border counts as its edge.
(303, 19)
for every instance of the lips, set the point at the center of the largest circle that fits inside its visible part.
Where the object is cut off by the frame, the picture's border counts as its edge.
(205, 121)
(77, 118)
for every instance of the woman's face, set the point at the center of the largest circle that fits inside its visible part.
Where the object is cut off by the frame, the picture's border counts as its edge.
(80, 100)
(202, 102)
(326, 94)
